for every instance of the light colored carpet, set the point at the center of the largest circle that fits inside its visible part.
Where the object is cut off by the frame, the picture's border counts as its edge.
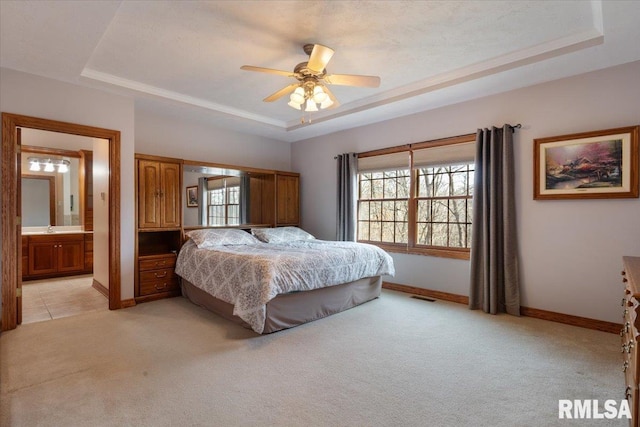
(395, 361)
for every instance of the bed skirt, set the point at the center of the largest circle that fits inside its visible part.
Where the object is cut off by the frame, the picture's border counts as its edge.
(295, 308)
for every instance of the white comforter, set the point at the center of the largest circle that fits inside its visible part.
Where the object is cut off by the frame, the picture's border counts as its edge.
(248, 276)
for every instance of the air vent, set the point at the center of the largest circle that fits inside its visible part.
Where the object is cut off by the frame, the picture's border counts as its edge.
(423, 298)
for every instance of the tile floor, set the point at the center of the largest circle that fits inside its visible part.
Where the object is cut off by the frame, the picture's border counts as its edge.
(61, 297)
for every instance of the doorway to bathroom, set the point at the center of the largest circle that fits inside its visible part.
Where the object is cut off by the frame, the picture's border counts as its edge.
(106, 233)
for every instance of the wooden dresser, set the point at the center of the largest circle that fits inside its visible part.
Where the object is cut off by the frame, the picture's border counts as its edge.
(630, 335)
(159, 226)
(157, 274)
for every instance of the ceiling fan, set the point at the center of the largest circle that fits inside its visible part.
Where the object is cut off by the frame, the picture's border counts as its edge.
(310, 91)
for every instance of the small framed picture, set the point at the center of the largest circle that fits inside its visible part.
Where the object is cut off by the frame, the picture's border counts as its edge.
(590, 165)
(192, 196)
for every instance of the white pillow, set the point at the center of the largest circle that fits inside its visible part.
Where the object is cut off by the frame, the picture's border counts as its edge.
(211, 237)
(281, 234)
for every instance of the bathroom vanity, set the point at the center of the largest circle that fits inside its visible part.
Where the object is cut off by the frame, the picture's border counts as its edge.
(58, 253)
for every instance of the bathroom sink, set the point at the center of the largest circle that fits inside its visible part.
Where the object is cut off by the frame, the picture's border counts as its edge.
(62, 230)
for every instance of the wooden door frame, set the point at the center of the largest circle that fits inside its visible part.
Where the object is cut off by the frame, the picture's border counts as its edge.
(11, 227)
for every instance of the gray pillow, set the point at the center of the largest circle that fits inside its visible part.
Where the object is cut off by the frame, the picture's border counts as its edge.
(211, 237)
(281, 234)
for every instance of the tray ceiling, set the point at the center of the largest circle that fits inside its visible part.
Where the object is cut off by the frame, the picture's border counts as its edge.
(183, 58)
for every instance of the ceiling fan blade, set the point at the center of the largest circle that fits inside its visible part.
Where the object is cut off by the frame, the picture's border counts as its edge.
(282, 92)
(336, 103)
(352, 80)
(319, 58)
(267, 70)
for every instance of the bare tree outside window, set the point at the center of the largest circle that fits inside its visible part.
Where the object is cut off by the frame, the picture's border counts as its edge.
(444, 198)
(383, 206)
(424, 208)
(223, 207)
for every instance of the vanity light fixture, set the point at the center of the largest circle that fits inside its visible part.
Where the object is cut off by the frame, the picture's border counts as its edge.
(63, 167)
(34, 165)
(49, 164)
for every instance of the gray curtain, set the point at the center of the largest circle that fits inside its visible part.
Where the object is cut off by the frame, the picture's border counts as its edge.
(244, 200)
(202, 201)
(494, 254)
(347, 206)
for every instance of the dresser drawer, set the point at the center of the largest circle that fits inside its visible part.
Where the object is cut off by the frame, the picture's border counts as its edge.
(156, 262)
(155, 286)
(155, 275)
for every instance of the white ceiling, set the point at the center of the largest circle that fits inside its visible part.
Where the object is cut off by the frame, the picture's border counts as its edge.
(183, 58)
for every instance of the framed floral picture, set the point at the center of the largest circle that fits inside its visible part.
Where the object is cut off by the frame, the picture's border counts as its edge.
(590, 165)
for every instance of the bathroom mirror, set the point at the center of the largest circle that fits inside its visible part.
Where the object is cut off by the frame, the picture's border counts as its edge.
(50, 193)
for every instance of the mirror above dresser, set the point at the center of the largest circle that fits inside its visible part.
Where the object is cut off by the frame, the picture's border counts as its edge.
(218, 195)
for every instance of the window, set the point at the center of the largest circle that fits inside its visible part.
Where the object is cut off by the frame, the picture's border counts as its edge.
(444, 200)
(426, 209)
(383, 206)
(223, 207)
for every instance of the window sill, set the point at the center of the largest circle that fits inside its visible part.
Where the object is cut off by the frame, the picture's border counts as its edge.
(464, 254)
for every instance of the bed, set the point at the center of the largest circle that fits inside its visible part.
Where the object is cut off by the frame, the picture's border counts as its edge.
(281, 279)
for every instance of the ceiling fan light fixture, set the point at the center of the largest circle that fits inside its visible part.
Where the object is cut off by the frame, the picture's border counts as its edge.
(294, 105)
(319, 95)
(310, 105)
(311, 92)
(297, 96)
(326, 103)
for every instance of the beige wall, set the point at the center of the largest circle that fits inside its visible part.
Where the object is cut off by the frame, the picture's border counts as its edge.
(101, 211)
(30, 95)
(141, 132)
(571, 250)
(166, 135)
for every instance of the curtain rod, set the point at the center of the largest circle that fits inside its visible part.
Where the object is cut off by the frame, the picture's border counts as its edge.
(513, 129)
(336, 157)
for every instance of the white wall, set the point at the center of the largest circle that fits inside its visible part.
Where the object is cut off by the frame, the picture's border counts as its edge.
(192, 140)
(30, 95)
(190, 215)
(101, 268)
(570, 250)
